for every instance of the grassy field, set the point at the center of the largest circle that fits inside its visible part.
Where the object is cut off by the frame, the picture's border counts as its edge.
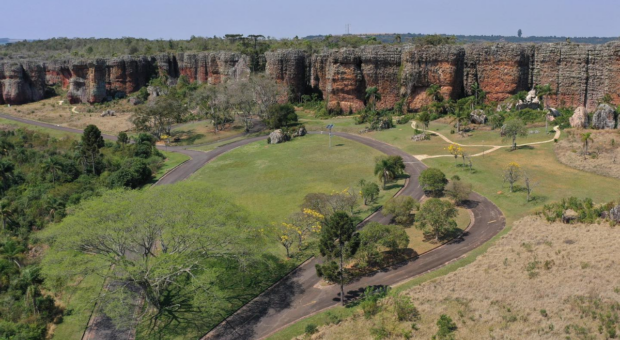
(553, 180)
(272, 180)
(172, 160)
(202, 132)
(77, 116)
(54, 133)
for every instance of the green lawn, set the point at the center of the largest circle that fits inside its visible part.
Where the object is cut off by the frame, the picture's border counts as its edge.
(419, 244)
(202, 132)
(554, 180)
(172, 160)
(51, 132)
(272, 180)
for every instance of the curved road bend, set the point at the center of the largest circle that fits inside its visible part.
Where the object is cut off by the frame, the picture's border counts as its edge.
(299, 294)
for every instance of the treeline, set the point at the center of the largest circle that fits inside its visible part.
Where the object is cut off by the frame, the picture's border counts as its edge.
(41, 177)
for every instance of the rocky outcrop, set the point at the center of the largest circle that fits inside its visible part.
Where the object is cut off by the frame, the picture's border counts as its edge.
(614, 213)
(604, 117)
(276, 137)
(478, 117)
(579, 119)
(579, 74)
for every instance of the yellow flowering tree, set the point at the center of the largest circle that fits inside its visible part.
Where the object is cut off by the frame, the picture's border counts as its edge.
(456, 151)
(286, 236)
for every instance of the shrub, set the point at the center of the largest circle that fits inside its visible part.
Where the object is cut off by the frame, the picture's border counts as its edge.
(433, 180)
(405, 309)
(311, 329)
(446, 328)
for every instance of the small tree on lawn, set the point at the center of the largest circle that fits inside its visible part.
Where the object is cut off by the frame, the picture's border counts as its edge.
(423, 118)
(586, 138)
(437, 216)
(514, 128)
(369, 191)
(512, 173)
(458, 191)
(529, 185)
(401, 207)
(456, 151)
(388, 168)
(433, 180)
(286, 236)
(338, 240)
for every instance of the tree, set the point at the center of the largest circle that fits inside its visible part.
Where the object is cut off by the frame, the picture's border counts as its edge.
(388, 168)
(400, 207)
(437, 216)
(266, 92)
(586, 138)
(529, 186)
(52, 166)
(338, 233)
(214, 103)
(512, 173)
(92, 141)
(519, 33)
(376, 237)
(369, 191)
(158, 117)
(372, 97)
(514, 128)
(478, 94)
(171, 253)
(242, 101)
(134, 173)
(122, 139)
(424, 118)
(456, 151)
(434, 93)
(458, 191)
(287, 235)
(326, 205)
(5, 213)
(280, 115)
(459, 117)
(542, 91)
(433, 180)
(397, 38)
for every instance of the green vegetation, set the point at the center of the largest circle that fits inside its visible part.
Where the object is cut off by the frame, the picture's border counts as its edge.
(272, 180)
(43, 178)
(433, 180)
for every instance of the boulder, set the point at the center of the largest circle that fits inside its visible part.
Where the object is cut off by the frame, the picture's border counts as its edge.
(478, 117)
(552, 114)
(108, 113)
(420, 137)
(155, 91)
(277, 136)
(579, 119)
(604, 117)
(530, 102)
(301, 132)
(135, 101)
(569, 216)
(614, 213)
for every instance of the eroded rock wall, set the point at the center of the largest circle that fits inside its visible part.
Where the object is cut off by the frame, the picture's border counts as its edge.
(579, 74)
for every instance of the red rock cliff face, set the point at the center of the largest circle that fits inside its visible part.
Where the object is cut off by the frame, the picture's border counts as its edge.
(579, 74)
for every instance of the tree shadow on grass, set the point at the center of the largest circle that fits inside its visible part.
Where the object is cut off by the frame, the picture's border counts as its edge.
(185, 137)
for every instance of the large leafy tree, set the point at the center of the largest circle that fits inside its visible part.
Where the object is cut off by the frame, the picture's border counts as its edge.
(387, 168)
(158, 117)
(433, 180)
(172, 254)
(437, 216)
(339, 240)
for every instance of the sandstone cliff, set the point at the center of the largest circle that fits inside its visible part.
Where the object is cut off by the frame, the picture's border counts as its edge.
(579, 74)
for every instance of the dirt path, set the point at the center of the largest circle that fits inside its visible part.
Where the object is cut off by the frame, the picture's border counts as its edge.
(73, 109)
(486, 152)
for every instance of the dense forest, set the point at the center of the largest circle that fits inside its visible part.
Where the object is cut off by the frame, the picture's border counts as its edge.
(41, 178)
(250, 44)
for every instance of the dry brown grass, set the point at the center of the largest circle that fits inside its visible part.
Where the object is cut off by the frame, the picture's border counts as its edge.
(604, 152)
(572, 272)
(50, 111)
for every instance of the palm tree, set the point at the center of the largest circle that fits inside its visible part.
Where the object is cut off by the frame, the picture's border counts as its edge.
(586, 138)
(460, 115)
(373, 96)
(434, 92)
(542, 91)
(398, 38)
(13, 251)
(424, 118)
(6, 174)
(387, 168)
(51, 165)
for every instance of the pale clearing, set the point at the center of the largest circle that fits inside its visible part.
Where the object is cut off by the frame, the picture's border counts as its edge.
(541, 281)
(603, 152)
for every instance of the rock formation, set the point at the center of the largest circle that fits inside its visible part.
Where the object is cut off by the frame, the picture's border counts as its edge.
(579, 119)
(478, 117)
(276, 136)
(604, 117)
(530, 102)
(552, 114)
(614, 213)
(579, 74)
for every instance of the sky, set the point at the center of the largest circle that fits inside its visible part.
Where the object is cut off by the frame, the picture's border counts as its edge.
(180, 19)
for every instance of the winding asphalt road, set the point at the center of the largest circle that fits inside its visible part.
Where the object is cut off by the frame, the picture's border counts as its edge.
(299, 294)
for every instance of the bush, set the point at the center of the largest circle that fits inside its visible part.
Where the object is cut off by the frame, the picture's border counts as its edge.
(134, 173)
(280, 115)
(311, 329)
(405, 309)
(433, 180)
(446, 328)
(401, 207)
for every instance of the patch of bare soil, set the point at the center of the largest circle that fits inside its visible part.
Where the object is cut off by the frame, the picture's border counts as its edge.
(541, 281)
(603, 156)
(52, 111)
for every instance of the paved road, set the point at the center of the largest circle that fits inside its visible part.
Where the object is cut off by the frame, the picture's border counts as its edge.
(299, 294)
